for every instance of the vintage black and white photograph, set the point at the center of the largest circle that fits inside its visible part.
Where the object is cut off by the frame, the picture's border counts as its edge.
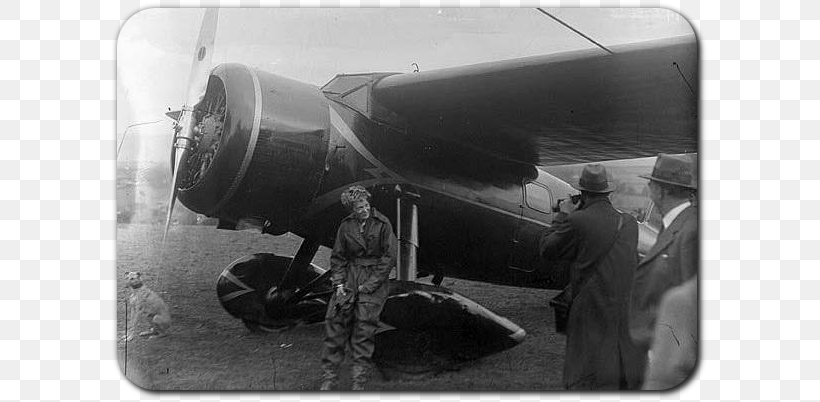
(427, 199)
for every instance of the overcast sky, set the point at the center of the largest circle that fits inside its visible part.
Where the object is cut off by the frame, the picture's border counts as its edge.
(155, 48)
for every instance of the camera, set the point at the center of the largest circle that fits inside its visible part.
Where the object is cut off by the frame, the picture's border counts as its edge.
(575, 199)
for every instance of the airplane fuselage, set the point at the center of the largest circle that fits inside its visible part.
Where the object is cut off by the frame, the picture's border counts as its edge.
(288, 149)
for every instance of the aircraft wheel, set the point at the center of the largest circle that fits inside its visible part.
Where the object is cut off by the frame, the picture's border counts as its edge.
(244, 285)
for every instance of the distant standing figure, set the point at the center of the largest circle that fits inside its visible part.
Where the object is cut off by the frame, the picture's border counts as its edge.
(601, 244)
(674, 258)
(363, 256)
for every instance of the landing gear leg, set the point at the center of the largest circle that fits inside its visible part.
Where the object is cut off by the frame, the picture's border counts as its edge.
(288, 290)
(300, 262)
(408, 234)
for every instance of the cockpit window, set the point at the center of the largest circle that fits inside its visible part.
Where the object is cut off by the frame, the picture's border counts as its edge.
(344, 83)
(538, 197)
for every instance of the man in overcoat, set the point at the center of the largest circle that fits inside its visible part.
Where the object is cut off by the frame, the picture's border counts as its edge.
(601, 245)
(675, 345)
(673, 259)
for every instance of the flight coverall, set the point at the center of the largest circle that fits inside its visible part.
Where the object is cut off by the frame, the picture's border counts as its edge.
(361, 262)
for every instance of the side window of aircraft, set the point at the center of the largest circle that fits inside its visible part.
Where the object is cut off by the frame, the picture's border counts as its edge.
(538, 197)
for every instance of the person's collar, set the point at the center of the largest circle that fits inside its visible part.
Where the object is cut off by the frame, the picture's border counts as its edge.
(378, 215)
(673, 213)
(592, 201)
(373, 214)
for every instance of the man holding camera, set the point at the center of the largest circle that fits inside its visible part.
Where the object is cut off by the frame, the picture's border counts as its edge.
(600, 245)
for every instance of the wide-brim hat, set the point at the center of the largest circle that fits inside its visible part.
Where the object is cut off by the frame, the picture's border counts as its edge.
(594, 179)
(678, 170)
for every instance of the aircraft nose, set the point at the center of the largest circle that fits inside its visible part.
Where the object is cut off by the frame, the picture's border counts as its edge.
(261, 147)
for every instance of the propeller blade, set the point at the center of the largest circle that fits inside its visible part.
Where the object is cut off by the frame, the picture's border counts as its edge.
(197, 85)
(201, 64)
(173, 197)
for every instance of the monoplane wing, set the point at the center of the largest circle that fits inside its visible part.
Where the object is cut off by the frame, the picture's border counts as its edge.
(563, 108)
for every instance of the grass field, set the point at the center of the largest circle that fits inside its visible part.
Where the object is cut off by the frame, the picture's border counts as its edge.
(210, 350)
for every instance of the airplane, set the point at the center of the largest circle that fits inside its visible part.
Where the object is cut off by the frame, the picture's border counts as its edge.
(455, 157)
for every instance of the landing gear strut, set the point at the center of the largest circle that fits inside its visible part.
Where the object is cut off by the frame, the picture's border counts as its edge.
(407, 221)
(300, 262)
(294, 286)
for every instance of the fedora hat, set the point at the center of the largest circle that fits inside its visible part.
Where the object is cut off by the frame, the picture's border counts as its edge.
(678, 170)
(594, 179)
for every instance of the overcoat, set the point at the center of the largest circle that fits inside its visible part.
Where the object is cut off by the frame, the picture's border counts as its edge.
(675, 345)
(361, 261)
(669, 263)
(599, 352)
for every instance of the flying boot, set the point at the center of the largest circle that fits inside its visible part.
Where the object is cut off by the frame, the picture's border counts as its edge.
(360, 377)
(329, 379)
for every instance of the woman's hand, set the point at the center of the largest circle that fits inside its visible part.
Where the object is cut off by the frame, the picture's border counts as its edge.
(340, 291)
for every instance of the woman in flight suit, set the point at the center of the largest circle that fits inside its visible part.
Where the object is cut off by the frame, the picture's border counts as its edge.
(363, 255)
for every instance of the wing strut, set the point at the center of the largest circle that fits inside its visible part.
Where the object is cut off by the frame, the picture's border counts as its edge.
(574, 30)
(683, 77)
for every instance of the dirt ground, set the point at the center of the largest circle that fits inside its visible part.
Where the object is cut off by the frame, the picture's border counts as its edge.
(210, 350)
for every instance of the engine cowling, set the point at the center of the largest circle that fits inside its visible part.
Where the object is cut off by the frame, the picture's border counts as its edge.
(260, 143)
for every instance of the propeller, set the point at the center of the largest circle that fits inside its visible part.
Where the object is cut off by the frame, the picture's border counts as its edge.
(197, 84)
